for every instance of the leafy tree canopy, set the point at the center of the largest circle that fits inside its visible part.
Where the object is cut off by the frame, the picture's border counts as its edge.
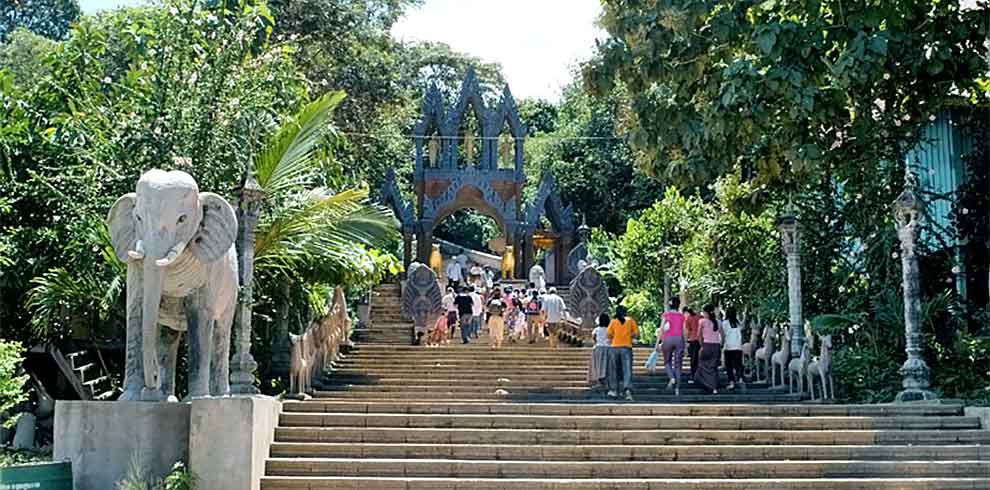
(48, 18)
(591, 160)
(781, 90)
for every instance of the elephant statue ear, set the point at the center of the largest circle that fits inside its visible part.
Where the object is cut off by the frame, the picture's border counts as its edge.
(217, 230)
(123, 227)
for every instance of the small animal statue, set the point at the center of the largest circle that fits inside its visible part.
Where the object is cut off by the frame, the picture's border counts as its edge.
(765, 353)
(299, 378)
(781, 359)
(822, 368)
(508, 263)
(537, 276)
(436, 260)
(749, 348)
(798, 368)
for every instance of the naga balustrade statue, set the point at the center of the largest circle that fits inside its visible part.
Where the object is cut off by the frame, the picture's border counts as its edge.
(318, 347)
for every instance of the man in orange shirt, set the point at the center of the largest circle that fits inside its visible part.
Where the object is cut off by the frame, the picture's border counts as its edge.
(692, 330)
(621, 332)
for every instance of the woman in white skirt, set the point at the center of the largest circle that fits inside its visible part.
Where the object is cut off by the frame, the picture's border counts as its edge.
(598, 366)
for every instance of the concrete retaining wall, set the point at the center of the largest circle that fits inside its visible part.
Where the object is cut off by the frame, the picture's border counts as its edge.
(224, 441)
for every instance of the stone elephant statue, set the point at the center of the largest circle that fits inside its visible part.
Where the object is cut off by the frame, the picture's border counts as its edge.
(178, 244)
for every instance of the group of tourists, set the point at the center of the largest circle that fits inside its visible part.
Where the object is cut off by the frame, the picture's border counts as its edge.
(512, 314)
(475, 276)
(707, 338)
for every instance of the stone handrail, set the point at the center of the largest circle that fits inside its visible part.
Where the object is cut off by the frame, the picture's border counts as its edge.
(315, 350)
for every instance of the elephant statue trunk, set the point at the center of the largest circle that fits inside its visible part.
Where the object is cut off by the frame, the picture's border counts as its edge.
(151, 303)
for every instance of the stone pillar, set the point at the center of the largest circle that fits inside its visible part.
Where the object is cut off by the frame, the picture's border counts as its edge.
(907, 210)
(790, 238)
(406, 251)
(529, 252)
(249, 197)
(424, 243)
(281, 346)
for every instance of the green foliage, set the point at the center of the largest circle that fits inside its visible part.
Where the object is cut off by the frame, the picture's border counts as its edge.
(469, 229)
(869, 350)
(592, 164)
(646, 307)
(785, 91)
(12, 383)
(652, 248)
(130, 90)
(179, 478)
(49, 18)
(11, 458)
(23, 54)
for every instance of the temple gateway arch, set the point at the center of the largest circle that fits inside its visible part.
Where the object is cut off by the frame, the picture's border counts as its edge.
(465, 162)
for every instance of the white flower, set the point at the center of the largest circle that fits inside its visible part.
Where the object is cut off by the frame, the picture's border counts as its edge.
(173, 11)
(956, 270)
(886, 76)
(965, 211)
(107, 80)
(894, 255)
(931, 117)
(842, 289)
(211, 19)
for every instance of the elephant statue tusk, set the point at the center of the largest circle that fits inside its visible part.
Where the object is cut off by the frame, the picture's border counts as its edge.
(172, 255)
(138, 252)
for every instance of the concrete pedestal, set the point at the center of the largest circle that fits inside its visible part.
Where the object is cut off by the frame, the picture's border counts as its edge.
(224, 441)
(104, 439)
(230, 439)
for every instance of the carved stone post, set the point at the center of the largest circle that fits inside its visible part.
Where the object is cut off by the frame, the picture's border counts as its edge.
(407, 239)
(249, 197)
(907, 210)
(790, 238)
(280, 350)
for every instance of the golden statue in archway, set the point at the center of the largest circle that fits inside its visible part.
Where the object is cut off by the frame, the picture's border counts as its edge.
(508, 263)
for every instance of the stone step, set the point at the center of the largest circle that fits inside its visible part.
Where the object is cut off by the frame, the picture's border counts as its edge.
(629, 453)
(396, 435)
(620, 469)
(530, 396)
(441, 378)
(645, 422)
(401, 483)
(397, 390)
(563, 409)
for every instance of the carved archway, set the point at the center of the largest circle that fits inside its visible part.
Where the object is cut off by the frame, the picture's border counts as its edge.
(443, 187)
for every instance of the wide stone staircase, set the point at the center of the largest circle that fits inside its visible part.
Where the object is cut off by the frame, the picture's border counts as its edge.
(387, 323)
(466, 417)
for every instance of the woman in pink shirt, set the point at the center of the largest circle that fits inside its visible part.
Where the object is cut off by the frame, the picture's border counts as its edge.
(711, 351)
(672, 344)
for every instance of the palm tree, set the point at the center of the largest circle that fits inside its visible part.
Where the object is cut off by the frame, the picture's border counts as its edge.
(312, 233)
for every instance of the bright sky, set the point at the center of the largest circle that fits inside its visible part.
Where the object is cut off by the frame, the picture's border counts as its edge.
(91, 6)
(537, 42)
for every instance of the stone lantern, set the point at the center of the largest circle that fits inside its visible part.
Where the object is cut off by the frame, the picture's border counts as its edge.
(790, 238)
(249, 199)
(907, 210)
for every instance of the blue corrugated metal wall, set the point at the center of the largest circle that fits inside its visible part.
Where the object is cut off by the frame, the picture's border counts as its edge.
(938, 162)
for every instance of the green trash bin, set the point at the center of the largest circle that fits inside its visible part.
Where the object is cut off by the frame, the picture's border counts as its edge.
(44, 476)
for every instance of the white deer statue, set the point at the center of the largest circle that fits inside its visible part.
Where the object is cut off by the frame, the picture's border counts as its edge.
(798, 368)
(822, 368)
(765, 353)
(749, 348)
(780, 359)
